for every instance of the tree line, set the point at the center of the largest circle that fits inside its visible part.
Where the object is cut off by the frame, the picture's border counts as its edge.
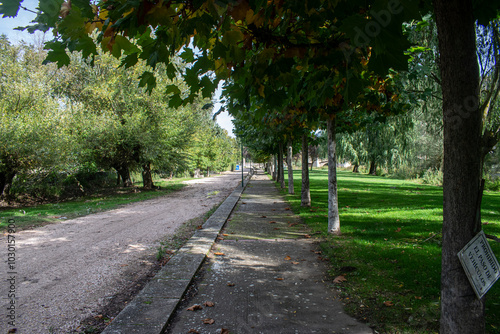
(91, 117)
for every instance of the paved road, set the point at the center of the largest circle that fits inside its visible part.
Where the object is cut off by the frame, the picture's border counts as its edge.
(69, 271)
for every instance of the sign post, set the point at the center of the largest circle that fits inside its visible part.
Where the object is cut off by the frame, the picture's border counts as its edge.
(480, 264)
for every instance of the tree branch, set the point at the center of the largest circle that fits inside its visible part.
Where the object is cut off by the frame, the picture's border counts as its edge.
(492, 237)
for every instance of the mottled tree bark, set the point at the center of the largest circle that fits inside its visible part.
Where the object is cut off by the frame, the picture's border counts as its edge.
(124, 172)
(6, 179)
(281, 169)
(305, 191)
(289, 153)
(373, 167)
(461, 311)
(147, 178)
(333, 205)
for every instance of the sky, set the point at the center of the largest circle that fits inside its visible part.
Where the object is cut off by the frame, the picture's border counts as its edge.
(24, 18)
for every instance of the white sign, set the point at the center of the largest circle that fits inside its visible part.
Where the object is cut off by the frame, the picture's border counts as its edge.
(480, 264)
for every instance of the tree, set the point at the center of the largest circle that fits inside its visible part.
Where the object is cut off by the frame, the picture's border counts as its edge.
(461, 311)
(31, 135)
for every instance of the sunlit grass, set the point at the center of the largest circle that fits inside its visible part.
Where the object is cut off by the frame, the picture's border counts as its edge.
(390, 248)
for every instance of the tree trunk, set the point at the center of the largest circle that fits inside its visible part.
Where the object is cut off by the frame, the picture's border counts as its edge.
(124, 172)
(147, 178)
(461, 311)
(118, 178)
(289, 154)
(373, 168)
(305, 191)
(275, 169)
(281, 169)
(355, 168)
(6, 179)
(333, 205)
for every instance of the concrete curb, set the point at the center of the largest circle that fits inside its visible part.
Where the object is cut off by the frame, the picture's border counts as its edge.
(150, 311)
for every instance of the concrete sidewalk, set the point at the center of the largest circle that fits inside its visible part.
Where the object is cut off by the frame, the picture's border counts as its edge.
(262, 275)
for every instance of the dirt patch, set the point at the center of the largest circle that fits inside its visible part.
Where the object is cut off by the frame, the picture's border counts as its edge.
(89, 267)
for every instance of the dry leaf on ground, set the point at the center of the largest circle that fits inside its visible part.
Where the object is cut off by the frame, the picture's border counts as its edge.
(272, 222)
(295, 262)
(208, 321)
(230, 284)
(398, 230)
(224, 331)
(193, 331)
(388, 303)
(209, 304)
(279, 278)
(195, 307)
(339, 279)
(219, 253)
(288, 258)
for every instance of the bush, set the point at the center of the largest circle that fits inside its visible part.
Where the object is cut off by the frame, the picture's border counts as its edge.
(54, 185)
(433, 177)
(492, 183)
(404, 172)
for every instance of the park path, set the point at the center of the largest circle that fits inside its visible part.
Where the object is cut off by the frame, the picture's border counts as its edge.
(69, 271)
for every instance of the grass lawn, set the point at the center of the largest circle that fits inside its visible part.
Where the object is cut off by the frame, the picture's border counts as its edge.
(28, 217)
(390, 248)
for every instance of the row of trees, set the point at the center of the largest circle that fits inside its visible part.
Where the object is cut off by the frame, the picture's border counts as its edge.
(92, 116)
(293, 67)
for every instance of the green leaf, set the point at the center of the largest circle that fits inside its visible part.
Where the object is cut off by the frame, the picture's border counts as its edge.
(10, 8)
(172, 89)
(175, 101)
(57, 54)
(187, 55)
(171, 70)
(130, 60)
(148, 79)
(122, 43)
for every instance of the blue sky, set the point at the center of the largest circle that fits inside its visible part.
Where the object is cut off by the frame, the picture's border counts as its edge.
(24, 18)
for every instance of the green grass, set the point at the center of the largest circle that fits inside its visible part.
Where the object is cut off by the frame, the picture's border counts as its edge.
(390, 248)
(28, 217)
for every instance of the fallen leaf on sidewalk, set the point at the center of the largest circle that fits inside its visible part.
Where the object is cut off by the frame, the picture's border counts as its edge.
(208, 321)
(219, 253)
(225, 235)
(193, 331)
(288, 258)
(339, 279)
(224, 331)
(209, 304)
(295, 262)
(230, 284)
(279, 278)
(195, 307)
